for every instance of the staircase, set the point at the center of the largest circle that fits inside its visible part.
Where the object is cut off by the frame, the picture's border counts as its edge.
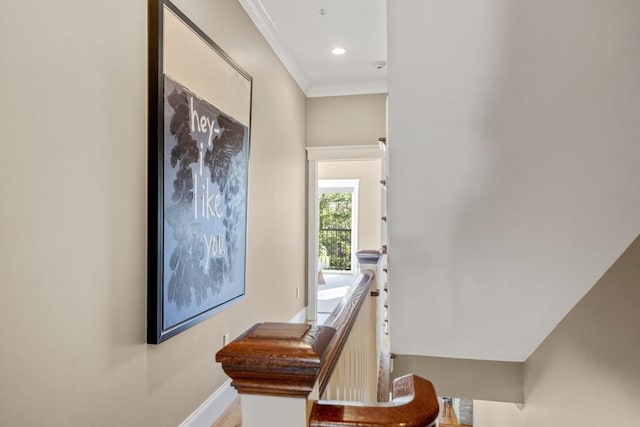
(295, 375)
(449, 418)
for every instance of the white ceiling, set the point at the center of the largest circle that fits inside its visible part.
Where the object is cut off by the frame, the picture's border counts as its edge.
(303, 39)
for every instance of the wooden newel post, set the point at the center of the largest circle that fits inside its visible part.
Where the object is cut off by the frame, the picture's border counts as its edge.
(368, 260)
(275, 367)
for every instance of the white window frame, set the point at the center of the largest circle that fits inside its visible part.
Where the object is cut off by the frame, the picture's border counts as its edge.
(345, 186)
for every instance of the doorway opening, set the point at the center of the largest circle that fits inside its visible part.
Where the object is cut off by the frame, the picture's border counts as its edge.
(337, 241)
(339, 177)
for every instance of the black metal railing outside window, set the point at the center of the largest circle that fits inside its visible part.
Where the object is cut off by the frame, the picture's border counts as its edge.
(335, 214)
(336, 243)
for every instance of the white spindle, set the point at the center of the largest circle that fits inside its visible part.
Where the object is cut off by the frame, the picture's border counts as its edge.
(356, 373)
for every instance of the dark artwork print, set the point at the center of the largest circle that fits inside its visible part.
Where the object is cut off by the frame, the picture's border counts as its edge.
(205, 195)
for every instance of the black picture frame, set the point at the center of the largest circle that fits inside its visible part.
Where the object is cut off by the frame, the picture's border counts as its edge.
(237, 128)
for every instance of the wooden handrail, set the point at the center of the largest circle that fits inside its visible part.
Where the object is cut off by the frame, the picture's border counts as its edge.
(295, 362)
(414, 404)
(341, 320)
(287, 359)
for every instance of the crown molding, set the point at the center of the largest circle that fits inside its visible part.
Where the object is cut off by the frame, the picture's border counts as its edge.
(261, 19)
(350, 88)
(258, 14)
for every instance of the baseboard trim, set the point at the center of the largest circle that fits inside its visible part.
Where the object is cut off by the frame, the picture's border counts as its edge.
(212, 408)
(300, 317)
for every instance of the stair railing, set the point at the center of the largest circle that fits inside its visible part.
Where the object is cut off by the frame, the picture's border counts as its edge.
(282, 370)
(414, 404)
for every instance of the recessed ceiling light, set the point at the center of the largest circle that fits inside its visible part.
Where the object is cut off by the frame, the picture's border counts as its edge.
(338, 51)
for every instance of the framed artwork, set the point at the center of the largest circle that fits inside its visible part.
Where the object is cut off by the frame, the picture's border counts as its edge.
(199, 132)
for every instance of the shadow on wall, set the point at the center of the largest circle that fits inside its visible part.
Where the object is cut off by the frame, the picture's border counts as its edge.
(544, 203)
(592, 358)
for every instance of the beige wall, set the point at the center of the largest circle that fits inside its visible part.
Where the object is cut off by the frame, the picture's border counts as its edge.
(497, 414)
(73, 189)
(469, 379)
(346, 120)
(368, 172)
(587, 372)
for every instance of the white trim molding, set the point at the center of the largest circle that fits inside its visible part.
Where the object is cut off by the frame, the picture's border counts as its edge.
(261, 19)
(350, 186)
(345, 152)
(347, 88)
(300, 317)
(212, 408)
(312, 240)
